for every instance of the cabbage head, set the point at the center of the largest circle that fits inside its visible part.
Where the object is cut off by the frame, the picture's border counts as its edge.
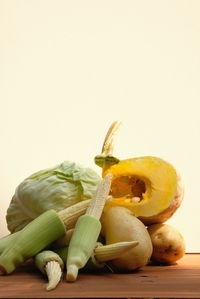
(55, 188)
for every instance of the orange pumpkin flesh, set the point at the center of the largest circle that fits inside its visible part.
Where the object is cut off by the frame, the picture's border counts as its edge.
(149, 186)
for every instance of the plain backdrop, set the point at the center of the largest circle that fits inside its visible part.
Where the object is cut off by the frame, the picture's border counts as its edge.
(68, 69)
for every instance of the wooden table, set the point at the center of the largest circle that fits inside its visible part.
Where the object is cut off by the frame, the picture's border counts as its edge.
(177, 281)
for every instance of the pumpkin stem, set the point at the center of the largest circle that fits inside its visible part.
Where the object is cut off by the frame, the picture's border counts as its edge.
(108, 144)
(106, 159)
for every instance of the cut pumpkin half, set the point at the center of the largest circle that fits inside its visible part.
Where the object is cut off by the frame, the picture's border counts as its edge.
(149, 186)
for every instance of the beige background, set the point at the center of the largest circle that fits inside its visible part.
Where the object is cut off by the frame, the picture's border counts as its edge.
(70, 68)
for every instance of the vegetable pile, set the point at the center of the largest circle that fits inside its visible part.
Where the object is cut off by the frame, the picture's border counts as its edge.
(68, 218)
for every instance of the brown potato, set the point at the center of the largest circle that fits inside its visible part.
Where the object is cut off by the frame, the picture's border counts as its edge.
(168, 243)
(119, 224)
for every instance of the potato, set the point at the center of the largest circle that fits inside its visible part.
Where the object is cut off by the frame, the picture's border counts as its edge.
(118, 225)
(168, 243)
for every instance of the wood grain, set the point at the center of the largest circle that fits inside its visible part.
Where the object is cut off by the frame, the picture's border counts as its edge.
(176, 281)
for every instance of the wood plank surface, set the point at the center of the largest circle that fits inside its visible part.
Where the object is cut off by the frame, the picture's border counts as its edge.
(176, 281)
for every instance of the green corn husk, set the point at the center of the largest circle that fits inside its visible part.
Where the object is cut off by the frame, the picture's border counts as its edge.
(92, 265)
(34, 237)
(87, 230)
(5, 241)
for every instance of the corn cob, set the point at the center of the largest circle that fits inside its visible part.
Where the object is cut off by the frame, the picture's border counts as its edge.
(38, 234)
(101, 253)
(86, 231)
(70, 215)
(50, 263)
(105, 253)
(113, 251)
